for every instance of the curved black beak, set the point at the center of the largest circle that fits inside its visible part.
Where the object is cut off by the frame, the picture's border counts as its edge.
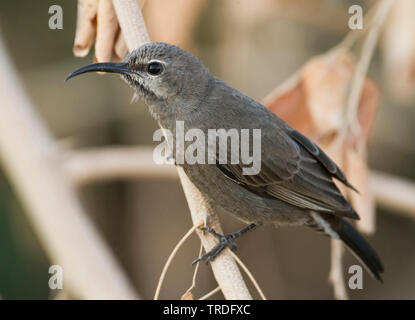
(113, 67)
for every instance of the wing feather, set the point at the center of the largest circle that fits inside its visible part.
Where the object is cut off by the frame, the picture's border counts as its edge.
(297, 172)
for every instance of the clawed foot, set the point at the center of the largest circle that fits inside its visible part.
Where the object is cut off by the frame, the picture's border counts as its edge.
(227, 240)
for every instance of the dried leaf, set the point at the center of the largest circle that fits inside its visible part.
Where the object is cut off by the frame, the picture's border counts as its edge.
(336, 150)
(107, 29)
(187, 296)
(326, 82)
(120, 48)
(368, 104)
(291, 105)
(97, 22)
(314, 104)
(85, 27)
(363, 202)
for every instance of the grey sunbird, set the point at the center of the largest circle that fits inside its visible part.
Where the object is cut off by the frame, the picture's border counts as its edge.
(294, 186)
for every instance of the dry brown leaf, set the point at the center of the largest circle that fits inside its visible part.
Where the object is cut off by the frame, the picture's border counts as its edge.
(97, 22)
(314, 105)
(120, 48)
(187, 296)
(363, 202)
(368, 104)
(291, 105)
(335, 148)
(326, 82)
(107, 28)
(85, 27)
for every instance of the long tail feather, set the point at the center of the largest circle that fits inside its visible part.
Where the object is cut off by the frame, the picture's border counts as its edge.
(336, 227)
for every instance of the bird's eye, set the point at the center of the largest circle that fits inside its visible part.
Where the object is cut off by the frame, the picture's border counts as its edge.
(155, 68)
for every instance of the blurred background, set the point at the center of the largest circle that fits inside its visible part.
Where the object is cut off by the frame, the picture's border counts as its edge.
(253, 46)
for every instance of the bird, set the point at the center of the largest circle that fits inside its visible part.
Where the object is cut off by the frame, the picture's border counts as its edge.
(295, 184)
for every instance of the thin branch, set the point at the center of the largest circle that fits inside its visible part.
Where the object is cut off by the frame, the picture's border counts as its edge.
(351, 38)
(172, 255)
(351, 122)
(131, 23)
(336, 276)
(100, 164)
(193, 285)
(249, 274)
(29, 156)
(394, 193)
(224, 267)
(85, 27)
(211, 293)
(362, 67)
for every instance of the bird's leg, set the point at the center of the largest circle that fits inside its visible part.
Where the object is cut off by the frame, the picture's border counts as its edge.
(227, 240)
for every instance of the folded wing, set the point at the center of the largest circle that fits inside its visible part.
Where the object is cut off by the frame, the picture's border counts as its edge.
(296, 171)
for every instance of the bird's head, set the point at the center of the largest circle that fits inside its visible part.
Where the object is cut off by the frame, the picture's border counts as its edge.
(157, 71)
